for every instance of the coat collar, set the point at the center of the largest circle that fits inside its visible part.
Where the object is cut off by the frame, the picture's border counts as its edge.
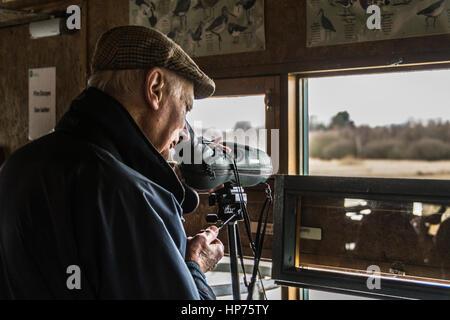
(102, 120)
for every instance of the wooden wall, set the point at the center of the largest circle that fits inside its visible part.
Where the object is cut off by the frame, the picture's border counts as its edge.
(18, 53)
(286, 50)
(285, 43)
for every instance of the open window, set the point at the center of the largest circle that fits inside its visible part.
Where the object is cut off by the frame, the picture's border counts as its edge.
(372, 204)
(392, 125)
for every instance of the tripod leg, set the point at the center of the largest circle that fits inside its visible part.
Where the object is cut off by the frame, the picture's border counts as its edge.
(241, 256)
(232, 231)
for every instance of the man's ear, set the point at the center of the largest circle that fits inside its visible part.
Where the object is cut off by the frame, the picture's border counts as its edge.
(154, 84)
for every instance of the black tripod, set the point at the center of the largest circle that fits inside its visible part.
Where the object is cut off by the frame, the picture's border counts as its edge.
(231, 201)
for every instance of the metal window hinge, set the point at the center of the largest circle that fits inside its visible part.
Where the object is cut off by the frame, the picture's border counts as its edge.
(268, 100)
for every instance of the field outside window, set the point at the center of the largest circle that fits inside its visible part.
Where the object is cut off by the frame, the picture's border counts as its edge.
(385, 125)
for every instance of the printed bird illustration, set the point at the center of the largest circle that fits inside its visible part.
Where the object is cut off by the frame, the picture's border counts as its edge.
(326, 23)
(401, 2)
(205, 5)
(144, 12)
(174, 34)
(433, 11)
(181, 10)
(366, 3)
(219, 24)
(197, 34)
(247, 5)
(235, 30)
(152, 19)
(346, 4)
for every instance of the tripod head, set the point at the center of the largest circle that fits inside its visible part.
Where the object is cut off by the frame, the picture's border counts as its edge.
(231, 200)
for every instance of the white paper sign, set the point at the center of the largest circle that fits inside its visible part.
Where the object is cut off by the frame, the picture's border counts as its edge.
(41, 102)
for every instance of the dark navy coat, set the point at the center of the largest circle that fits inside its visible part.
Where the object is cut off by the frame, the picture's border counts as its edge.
(97, 195)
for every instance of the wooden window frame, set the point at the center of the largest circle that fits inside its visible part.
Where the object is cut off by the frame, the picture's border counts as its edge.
(286, 228)
(268, 86)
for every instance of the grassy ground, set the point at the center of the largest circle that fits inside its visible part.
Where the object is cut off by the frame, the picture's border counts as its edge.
(381, 168)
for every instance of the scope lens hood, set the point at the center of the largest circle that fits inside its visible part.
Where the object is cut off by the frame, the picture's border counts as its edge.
(205, 165)
(217, 167)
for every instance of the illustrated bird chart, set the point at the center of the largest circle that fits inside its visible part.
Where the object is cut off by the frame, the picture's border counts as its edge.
(331, 22)
(205, 27)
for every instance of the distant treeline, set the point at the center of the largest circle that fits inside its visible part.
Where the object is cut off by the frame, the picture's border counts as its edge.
(412, 140)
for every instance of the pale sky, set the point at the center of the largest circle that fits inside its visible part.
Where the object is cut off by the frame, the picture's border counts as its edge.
(382, 99)
(222, 113)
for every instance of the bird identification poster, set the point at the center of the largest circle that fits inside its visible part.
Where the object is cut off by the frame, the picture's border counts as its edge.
(331, 22)
(41, 102)
(205, 27)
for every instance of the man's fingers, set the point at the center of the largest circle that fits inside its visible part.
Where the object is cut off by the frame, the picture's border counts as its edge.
(216, 188)
(211, 190)
(218, 250)
(211, 234)
(217, 144)
(219, 245)
(205, 249)
(217, 241)
(214, 229)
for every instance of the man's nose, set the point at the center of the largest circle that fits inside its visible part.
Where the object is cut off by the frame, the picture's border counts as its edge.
(184, 134)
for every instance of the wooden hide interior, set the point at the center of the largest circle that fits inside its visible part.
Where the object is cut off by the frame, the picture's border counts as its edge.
(286, 54)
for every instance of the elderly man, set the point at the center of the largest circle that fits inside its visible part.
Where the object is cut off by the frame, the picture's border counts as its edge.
(93, 210)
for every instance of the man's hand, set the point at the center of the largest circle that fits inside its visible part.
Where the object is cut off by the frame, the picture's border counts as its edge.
(205, 249)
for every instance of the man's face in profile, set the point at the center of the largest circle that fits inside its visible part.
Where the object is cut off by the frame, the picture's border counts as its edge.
(175, 107)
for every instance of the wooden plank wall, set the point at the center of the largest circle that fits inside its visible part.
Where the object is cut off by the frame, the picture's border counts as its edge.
(18, 53)
(286, 49)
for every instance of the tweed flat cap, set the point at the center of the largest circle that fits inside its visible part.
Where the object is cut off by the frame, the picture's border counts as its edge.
(137, 47)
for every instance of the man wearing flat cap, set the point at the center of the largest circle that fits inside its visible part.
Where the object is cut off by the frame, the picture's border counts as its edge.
(93, 210)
